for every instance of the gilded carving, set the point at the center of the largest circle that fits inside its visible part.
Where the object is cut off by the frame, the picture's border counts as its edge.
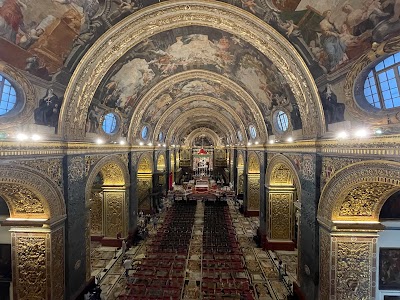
(143, 192)
(149, 21)
(51, 167)
(330, 165)
(28, 93)
(253, 196)
(22, 200)
(362, 199)
(96, 213)
(76, 169)
(341, 184)
(112, 174)
(91, 160)
(161, 163)
(30, 276)
(324, 263)
(281, 175)
(114, 202)
(32, 186)
(145, 165)
(254, 165)
(354, 277)
(280, 216)
(57, 263)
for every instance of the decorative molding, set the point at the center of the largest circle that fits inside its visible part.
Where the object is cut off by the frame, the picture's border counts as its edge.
(149, 21)
(280, 216)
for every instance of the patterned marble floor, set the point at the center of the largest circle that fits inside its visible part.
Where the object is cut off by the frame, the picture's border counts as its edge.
(261, 268)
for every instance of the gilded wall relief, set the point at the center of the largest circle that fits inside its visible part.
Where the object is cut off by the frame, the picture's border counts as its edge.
(280, 215)
(96, 213)
(114, 213)
(330, 165)
(353, 268)
(31, 276)
(57, 264)
(253, 196)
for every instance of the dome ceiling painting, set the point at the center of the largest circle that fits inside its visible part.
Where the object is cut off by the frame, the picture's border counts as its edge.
(183, 51)
(49, 39)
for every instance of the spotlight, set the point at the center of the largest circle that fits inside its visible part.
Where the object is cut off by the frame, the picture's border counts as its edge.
(150, 144)
(361, 133)
(141, 143)
(248, 144)
(271, 141)
(159, 145)
(173, 146)
(378, 131)
(289, 139)
(22, 137)
(36, 137)
(342, 135)
(256, 143)
(164, 145)
(122, 142)
(99, 141)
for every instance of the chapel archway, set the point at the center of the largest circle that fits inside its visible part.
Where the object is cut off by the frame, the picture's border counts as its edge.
(144, 183)
(252, 207)
(36, 221)
(350, 225)
(107, 202)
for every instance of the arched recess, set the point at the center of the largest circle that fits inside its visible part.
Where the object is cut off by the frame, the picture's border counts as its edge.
(144, 182)
(283, 216)
(37, 211)
(166, 15)
(348, 214)
(160, 180)
(107, 203)
(202, 131)
(253, 186)
(240, 174)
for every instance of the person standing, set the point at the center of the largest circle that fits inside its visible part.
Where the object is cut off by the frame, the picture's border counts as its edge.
(127, 266)
(123, 247)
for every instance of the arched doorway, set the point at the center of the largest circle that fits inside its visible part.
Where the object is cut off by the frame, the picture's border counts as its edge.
(240, 176)
(144, 183)
(253, 186)
(283, 209)
(36, 222)
(106, 198)
(349, 217)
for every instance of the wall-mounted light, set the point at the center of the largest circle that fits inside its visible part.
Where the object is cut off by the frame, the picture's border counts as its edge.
(21, 137)
(289, 140)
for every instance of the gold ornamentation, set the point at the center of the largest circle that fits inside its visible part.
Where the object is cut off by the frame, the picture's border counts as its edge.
(145, 165)
(20, 182)
(91, 160)
(362, 199)
(57, 263)
(324, 263)
(51, 167)
(253, 197)
(96, 213)
(341, 184)
(280, 215)
(143, 192)
(168, 15)
(378, 117)
(114, 213)
(112, 175)
(330, 165)
(352, 268)
(30, 276)
(281, 175)
(25, 93)
(23, 201)
(254, 164)
(161, 163)
(76, 169)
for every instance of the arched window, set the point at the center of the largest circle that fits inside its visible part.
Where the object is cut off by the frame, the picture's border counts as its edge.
(8, 98)
(145, 132)
(282, 121)
(253, 132)
(109, 123)
(381, 87)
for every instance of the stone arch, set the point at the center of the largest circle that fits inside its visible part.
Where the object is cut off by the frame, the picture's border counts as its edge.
(112, 45)
(30, 194)
(278, 164)
(357, 192)
(116, 164)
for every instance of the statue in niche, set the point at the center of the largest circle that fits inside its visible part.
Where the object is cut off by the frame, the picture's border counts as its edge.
(333, 111)
(295, 117)
(49, 109)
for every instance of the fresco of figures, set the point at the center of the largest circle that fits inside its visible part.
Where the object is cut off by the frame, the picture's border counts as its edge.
(38, 35)
(184, 49)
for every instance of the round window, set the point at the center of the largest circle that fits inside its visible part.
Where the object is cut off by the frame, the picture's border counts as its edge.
(8, 98)
(145, 132)
(253, 132)
(282, 121)
(109, 123)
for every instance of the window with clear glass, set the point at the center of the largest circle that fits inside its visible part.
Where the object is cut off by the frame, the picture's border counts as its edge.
(8, 98)
(253, 132)
(381, 87)
(239, 135)
(282, 121)
(109, 123)
(145, 132)
(160, 137)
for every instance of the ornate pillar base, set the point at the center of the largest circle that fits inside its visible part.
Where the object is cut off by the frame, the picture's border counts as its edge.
(278, 245)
